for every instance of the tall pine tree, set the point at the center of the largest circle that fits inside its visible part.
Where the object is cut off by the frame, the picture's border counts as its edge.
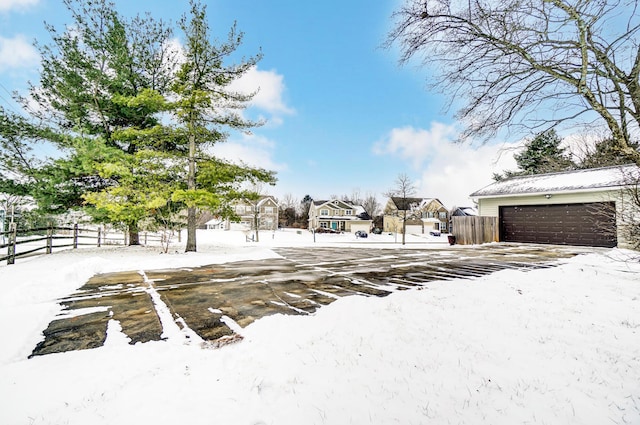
(87, 68)
(542, 154)
(206, 108)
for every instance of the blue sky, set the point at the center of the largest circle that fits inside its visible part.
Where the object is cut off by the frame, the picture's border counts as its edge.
(342, 115)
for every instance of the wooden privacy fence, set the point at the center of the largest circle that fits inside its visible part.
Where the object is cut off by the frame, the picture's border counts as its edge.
(45, 239)
(472, 230)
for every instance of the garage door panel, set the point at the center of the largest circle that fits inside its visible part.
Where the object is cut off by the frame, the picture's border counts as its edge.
(591, 224)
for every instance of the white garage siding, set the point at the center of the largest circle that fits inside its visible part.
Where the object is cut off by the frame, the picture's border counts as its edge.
(363, 226)
(491, 206)
(414, 229)
(572, 188)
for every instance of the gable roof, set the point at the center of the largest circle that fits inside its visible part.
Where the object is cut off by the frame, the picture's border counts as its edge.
(465, 211)
(267, 198)
(404, 204)
(569, 181)
(358, 210)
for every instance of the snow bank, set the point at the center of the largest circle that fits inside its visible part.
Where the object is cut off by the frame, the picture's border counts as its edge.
(556, 345)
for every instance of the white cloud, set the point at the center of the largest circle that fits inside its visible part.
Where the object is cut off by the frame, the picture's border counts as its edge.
(17, 52)
(6, 5)
(448, 171)
(270, 86)
(253, 150)
(417, 145)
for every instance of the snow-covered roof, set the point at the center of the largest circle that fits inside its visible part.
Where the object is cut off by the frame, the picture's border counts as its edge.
(569, 181)
(406, 204)
(358, 209)
(469, 210)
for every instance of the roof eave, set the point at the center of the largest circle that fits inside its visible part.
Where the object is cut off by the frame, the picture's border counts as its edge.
(549, 192)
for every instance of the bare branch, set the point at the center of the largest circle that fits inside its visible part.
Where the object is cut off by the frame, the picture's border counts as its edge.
(522, 64)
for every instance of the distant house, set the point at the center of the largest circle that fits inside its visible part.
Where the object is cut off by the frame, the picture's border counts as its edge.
(588, 207)
(464, 212)
(264, 212)
(461, 212)
(216, 223)
(339, 216)
(422, 215)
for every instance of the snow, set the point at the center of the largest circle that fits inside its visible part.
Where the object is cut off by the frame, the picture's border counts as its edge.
(578, 180)
(548, 346)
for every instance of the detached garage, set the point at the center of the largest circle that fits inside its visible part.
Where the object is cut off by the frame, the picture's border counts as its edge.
(583, 207)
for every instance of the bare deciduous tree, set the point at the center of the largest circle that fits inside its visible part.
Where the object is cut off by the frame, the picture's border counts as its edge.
(630, 211)
(529, 65)
(371, 205)
(403, 189)
(288, 201)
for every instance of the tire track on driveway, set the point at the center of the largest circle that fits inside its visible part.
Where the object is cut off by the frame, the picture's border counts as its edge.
(211, 304)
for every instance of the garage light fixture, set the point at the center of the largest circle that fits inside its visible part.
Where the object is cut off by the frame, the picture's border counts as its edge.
(547, 196)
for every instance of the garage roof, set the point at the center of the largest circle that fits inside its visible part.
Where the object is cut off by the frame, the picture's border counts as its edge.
(569, 181)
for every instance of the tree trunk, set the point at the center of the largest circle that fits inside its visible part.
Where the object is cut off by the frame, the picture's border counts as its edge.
(191, 230)
(256, 223)
(191, 185)
(134, 236)
(404, 226)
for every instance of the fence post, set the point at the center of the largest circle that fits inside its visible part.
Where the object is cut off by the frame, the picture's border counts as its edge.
(49, 239)
(75, 236)
(11, 249)
(99, 234)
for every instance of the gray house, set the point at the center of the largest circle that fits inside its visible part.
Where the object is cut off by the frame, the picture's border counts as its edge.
(591, 207)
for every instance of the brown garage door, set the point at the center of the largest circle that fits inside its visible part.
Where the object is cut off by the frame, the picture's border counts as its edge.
(588, 224)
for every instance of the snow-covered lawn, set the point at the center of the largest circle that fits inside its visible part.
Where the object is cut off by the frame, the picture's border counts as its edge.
(548, 346)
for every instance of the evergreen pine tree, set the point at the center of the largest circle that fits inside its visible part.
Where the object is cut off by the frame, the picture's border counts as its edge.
(206, 108)
(542, 154)
(606, 154)
(86, 71)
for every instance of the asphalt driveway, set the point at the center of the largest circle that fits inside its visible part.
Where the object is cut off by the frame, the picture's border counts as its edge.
(216, 301)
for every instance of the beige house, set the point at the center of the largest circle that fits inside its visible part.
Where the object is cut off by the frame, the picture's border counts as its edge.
(340, 216)
(264, 212)
(423, 215)
(591, 207)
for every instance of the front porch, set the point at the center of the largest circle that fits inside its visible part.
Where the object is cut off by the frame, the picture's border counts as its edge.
(333, 224)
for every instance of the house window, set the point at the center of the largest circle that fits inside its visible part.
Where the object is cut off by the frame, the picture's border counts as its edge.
(324, 212)
(443, 215)
(430, 214)
(324, 224)
(248, 208)
(443, 226)
(239, 209)
(268, 210)
(348, 212)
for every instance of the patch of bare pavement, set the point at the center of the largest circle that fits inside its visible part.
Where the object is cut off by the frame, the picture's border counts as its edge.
(209, 299)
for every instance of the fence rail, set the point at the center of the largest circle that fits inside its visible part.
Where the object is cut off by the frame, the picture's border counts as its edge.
(475, 230)
(35, 241)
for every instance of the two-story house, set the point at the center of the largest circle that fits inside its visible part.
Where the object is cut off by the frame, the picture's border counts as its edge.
(263, 212)
(422, 215)
(338, 215)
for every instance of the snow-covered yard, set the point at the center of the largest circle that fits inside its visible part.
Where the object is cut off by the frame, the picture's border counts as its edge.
(548, 346)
